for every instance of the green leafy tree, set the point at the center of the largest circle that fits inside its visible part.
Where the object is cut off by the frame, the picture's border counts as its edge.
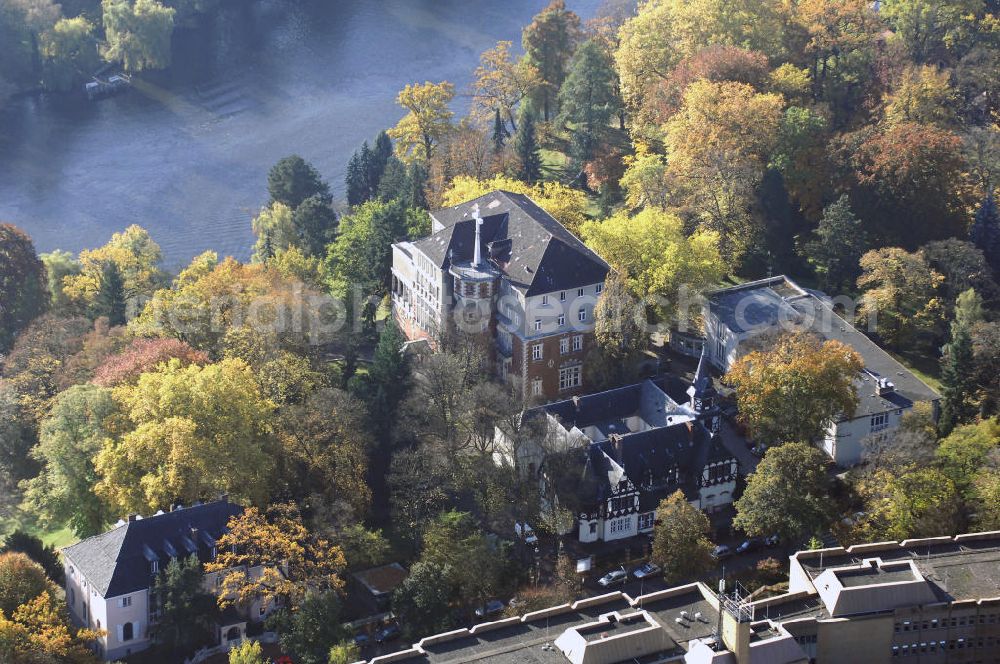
(620, 329)
(837, 246)
(17, 437)
(33, 547)
(21, 580)
(313, 628)
(316, 225)
(185, 608)
(787, 494)
(363, 548)
(655, 256)
(138, 33)
(58, 266)
(680, 543)
(344, 653)
(137, 258)
(901, 295)
(930, 30)
(361, 256)
(588, 98)
(248, 652)
(527, 151)
(549, 41)
(72, 434)
(910, 502)
(292, 180)
(967, 450)
(275, 230)
(422, 600)
(962, 266)
(23, 284)
(69, 51)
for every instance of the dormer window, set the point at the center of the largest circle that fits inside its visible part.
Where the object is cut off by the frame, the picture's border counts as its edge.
(579, 292)
(562, 296)
(545, 300)
(154, 566)
(599, 288)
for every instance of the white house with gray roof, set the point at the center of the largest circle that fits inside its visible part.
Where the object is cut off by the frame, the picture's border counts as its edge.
(110, 577)
(886, 389)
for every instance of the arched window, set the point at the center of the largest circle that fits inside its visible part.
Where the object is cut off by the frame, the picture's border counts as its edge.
(128, 633)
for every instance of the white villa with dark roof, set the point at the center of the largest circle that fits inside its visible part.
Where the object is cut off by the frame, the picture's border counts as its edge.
(513, 272)
(109, 577)
(886, 389)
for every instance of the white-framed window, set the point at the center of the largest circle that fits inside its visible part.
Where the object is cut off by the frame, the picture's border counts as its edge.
(879, 421)
(561, 320)
(564, 345)
(536, 386)
(579, 292)
(619, 525)
(582, 315)
(578, 342)
(125, 602)
(569, 377)
(126, 632)
(646, 520)
(154, 566)
(599, 288)
(622, 503)
(536, 352)
(562, 296)
(538, 325)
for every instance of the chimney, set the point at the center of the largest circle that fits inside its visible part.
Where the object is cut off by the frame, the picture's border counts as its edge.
(477, 259)
(132, 518)
(616, 440)
(884, 387)
(224, 498)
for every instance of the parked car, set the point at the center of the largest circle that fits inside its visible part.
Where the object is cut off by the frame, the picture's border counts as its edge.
(361, 640)
(387, 633)
(748, 544)
(721, 551)
(646, 571)
(529, 535)
(491, 608)
(613, 577)
(772, 541)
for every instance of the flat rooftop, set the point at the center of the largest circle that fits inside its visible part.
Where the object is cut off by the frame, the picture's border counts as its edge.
(967, 568)
(869, 576)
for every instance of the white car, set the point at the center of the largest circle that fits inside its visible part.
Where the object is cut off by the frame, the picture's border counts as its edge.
(721, 551)
(613, 577)
(529, 535)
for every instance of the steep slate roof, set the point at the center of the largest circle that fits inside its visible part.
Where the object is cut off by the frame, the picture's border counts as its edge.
(581, 475)
(535, 252)
(118, 561)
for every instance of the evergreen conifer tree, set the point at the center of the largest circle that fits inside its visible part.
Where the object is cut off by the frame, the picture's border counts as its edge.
(355, 181)
(500, 133)
(526, 149)
(110, 299)
(985, 233)
(957, 379)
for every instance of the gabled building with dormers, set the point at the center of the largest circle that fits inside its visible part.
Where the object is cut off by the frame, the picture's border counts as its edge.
(499, 264)
(611, 457)
(110, 577)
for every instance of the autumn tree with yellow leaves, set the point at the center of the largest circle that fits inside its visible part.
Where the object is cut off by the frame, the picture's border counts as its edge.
(292, 561)
(427, 121)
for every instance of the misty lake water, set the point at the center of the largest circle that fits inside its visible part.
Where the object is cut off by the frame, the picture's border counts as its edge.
(185, 153)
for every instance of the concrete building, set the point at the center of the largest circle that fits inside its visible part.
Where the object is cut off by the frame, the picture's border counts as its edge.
(611, 457)
(110, 577)
(737, 317)
(501, 265)
(928, 601)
